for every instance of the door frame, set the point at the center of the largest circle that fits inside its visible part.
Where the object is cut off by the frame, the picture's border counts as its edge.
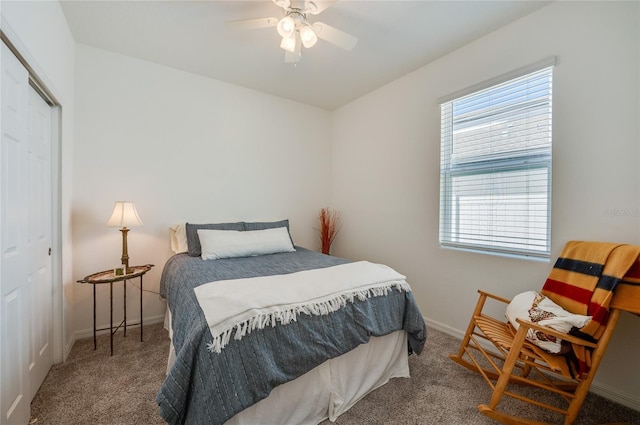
(36, 80)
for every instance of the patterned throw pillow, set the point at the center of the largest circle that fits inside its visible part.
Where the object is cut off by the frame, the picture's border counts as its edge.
(537, 308)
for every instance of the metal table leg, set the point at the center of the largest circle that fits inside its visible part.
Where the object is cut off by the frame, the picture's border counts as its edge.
(94, 318)
(111, 315)
(141, 308)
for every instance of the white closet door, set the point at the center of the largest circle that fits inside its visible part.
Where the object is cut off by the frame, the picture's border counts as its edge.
(14, 317)
(39, 241)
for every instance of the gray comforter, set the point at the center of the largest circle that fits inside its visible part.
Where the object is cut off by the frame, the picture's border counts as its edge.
(208, 388)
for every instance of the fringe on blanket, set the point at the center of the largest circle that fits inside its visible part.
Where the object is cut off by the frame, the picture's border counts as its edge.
(290, 314)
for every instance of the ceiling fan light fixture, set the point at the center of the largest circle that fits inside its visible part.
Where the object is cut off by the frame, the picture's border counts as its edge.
(286, 26)
(308, 36)
(288, 44)
(296, 31)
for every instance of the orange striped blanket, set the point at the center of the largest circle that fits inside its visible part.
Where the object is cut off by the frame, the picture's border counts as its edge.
(628, 290)
(583, 279)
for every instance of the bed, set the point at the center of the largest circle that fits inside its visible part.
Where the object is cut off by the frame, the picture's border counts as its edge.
(266, 364)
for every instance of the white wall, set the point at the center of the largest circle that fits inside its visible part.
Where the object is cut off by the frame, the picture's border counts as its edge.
(39, 31)
(190, 148)
(386, 165)
(183, 148)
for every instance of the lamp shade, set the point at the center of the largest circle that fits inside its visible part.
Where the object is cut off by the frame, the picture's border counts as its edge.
(286, 26)
(289, 44)
(124, 215)
(308, 36)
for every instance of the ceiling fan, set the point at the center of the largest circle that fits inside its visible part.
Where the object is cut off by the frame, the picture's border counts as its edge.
(296, 31)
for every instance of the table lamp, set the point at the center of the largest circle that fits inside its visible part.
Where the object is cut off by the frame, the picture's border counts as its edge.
(124, 215)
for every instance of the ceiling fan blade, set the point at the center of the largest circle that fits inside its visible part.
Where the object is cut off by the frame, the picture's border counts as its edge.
(247, 24)
(334, 35)
(283, 3)
(316, 7)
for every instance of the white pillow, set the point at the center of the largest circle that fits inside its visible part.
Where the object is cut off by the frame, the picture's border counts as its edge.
(539, 309)
(217, 244)
(178, 235)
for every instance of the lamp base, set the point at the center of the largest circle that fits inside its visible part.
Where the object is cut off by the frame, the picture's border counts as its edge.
(125, 254)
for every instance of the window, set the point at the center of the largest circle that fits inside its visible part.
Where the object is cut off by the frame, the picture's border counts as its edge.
(495, 167)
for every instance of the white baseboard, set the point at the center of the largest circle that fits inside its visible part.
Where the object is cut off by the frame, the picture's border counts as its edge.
(443, 328)
(629, 400)
(68, 347)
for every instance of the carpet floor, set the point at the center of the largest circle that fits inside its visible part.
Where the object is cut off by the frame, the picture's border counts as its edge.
(94, 388)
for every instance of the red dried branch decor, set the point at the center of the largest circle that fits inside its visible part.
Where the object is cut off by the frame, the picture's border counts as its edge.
(329, 226)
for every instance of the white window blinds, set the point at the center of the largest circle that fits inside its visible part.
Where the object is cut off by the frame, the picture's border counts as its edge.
(495, 168)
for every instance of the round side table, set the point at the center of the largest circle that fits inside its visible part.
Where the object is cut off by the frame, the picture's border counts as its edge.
(109, 277)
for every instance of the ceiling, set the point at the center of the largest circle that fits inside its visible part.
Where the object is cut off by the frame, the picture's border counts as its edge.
(395, 38)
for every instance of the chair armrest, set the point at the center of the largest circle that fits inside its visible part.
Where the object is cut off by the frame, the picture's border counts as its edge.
(495, 297)
(550, 331)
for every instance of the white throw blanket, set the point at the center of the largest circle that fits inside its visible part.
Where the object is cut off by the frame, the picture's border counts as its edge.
(253, 303)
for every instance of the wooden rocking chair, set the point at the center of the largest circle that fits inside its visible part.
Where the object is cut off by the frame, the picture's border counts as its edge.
(505, 357)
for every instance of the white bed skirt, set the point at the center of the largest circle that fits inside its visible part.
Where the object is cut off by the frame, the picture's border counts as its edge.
(330, 389)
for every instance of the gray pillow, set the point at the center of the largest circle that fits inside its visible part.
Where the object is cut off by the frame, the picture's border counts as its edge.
(261, 225)
(193, 241)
